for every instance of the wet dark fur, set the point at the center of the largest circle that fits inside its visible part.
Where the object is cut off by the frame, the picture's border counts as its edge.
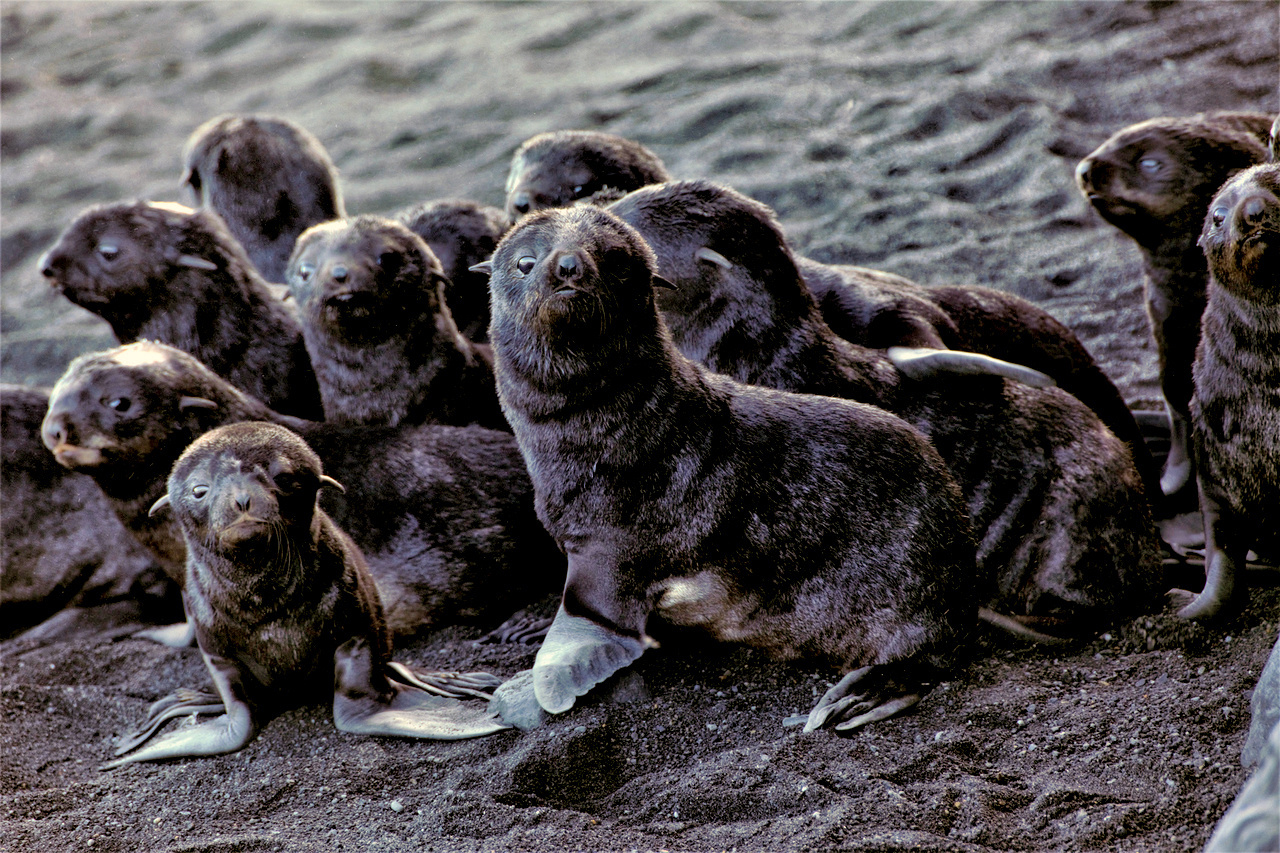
(807, 526)
(268, 179)
(382, 340)
(61, 545)
(555, 169)
(879, 310)
(1058, 509)
(1235, 410)
(281, 601)
(443, 514)
(461, 234)
(226, 317)
(1161, 207)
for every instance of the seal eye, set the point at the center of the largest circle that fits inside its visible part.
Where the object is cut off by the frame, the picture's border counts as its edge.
(526, 264)
(1149, 165)
(305, 271)
(578, 192)
(198, 492)
(1218, 216)
(108, 250)
(120, 404)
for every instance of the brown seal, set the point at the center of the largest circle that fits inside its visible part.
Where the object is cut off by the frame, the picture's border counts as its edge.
(805, 526)
(284, 608)
(165, 272)
(1065, 536)
(461, 234)
(1235, 412)
(555, 169)
(382, 340)
(443, 515)
(267, 177)
(1154, 180)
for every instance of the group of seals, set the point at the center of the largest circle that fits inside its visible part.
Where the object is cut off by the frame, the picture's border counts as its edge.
(1026, 459)
(283, 607)
(802, 525)
(1154, 180)
(443, 515)
(165, 272)
(379, 332)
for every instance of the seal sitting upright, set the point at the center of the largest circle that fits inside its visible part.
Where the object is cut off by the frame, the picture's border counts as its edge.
(283, 605)
(805, 526)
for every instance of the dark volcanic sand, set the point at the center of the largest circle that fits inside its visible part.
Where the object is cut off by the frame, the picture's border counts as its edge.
(936, 141)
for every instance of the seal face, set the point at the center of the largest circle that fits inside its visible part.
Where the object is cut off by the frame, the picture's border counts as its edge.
(168, 273)
(267, 177)
(801, 525)
(1235, 411)
(558, 168)
(382, 339)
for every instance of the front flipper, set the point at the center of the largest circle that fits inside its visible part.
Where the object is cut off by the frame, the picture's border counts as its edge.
(227, 733)
(1222, 556)
(366, 702)
(450, 685)
(577, 655)
(881, 696)
(183, 702)
(925, 363)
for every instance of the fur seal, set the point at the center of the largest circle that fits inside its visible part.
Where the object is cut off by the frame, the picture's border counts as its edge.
(1235, 412)
(267, 177)
(557, 168)
(1153, 180)
(443, 515)
(168, 273)
(284, 608)
(1065, 536)
(804, 526)
(382, 340)
(461, 234)
(60, 543)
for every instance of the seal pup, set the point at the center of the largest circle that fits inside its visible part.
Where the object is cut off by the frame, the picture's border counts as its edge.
(805, 526)
(267, 177)
(1065, 536)
(1235, 412)
(168, 273)
(557, 168)
(284, 608)
(382, 340)
(461, 233)
(1153, 180)
(443, 515)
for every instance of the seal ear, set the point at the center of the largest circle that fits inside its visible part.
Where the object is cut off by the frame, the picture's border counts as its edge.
(485, 267)
(326, 480)
(195, 263)
(196, 403)
(659, 281)
(158, 505)
(712, 256)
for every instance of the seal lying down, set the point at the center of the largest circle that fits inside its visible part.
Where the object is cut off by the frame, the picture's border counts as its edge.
(279, 594)
(801, 525)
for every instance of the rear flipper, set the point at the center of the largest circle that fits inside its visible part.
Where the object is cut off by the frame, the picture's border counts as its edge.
(179, 635)
(879, 696)
(1222, 557)
(578, 654)
(525, 630)
(450, 685)
(925, 363)
(183, 702)
(368, 702)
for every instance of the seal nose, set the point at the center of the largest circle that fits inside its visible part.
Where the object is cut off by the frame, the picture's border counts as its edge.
(1083, 173)
(568, 267)
(48, 268)
(521, 202)
(1251, 212)
(55, 431)
(340, 273)
(243, 500)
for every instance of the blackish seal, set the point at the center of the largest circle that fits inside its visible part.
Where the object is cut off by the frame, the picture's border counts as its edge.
(1154, 180)
(1065, 536)
(60, 544)
(443, 515)
(382, 340)
(1235, 412)
(801, 525)
(267, 177)
(461, 234)
(165, 272)
(555, 169)
(284, 609)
